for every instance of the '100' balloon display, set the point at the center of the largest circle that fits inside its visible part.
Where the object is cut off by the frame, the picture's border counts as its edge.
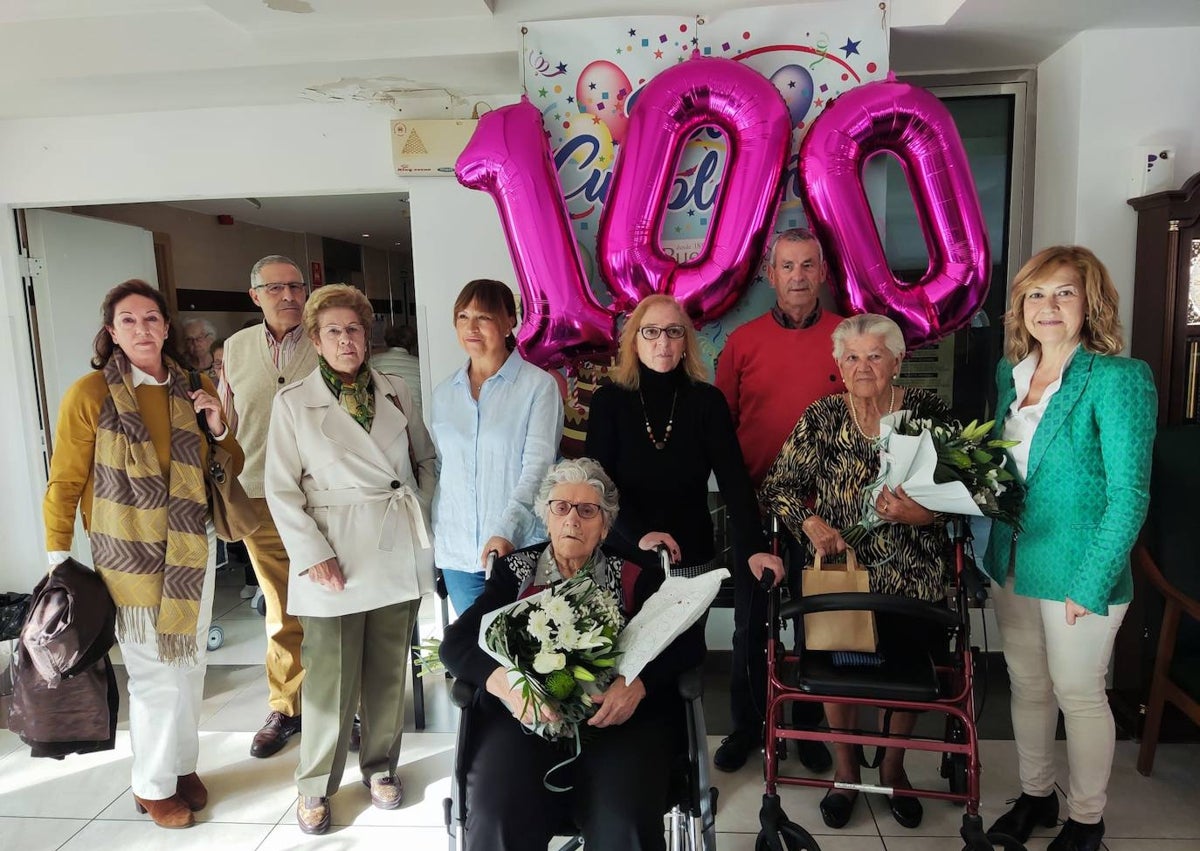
(509, 157)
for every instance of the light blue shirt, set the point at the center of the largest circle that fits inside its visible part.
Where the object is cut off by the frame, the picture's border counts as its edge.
(493, 455)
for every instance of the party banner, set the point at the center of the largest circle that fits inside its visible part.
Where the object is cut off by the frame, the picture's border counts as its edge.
(585, 77)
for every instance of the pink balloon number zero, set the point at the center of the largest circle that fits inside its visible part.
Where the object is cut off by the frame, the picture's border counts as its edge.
(751, 114)
(914, 126)
(509, 158)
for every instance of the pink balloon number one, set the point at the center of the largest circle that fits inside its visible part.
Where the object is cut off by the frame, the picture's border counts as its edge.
(508, 157)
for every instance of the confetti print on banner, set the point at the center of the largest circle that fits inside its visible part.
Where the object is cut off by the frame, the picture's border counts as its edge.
(585, 77)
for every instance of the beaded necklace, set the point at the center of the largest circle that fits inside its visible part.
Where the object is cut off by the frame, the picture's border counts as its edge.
(658, 444)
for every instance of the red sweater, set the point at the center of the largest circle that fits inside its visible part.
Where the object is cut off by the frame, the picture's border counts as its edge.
(770, 375)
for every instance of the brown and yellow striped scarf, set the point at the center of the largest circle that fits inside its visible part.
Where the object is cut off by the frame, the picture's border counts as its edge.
(148, 529)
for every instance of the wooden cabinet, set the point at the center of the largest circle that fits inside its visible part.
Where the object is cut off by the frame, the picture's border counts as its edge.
(1166, 298)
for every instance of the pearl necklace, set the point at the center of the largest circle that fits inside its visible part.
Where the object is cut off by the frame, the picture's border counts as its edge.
(854, 414)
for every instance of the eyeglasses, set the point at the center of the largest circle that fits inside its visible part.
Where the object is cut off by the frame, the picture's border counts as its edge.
(653, 332)
(585, 510)
(294, 287)
(333, 333)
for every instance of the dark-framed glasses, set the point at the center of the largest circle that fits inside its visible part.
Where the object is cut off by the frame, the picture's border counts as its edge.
(585, 510)
(294, 287)
(653, 332)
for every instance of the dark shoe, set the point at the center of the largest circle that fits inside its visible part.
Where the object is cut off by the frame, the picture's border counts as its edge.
(356, 735)
(313, 814)
(814, 756)
(274, 734)
(837, 807)
(387, 793)
(735, 749)
(191, 790)
(169, 812)
(1027, 813)
(907, 811)
(1075, 836)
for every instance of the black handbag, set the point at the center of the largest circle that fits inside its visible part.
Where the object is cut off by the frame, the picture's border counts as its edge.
(233, 514)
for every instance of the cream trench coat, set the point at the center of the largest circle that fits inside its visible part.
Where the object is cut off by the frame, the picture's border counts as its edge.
(336, 490)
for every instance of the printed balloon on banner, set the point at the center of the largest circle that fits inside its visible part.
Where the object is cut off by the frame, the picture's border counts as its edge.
(795, 85)
(509, 158)
(747, 108)
(601, 92)
(915, 127)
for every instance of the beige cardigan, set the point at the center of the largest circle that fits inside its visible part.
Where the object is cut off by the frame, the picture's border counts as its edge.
(336, 490)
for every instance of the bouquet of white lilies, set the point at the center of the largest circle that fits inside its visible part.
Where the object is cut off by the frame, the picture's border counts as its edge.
(560, 647)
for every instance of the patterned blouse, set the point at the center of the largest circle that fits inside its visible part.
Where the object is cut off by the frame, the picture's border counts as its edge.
(827, 462)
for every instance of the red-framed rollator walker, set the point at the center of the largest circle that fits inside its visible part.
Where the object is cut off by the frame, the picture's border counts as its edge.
(908, 680)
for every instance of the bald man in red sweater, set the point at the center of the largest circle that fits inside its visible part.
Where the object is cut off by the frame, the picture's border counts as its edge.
(771, 369)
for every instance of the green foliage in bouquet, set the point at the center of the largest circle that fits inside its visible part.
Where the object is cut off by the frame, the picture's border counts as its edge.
(562, 647)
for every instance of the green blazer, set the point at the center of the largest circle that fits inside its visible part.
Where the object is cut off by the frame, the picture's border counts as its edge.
(1088, 484)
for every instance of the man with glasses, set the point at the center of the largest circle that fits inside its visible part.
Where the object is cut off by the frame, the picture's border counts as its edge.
(259, 361)
(771, 369)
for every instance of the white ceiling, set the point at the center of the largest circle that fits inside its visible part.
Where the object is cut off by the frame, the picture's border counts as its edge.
(420, 58)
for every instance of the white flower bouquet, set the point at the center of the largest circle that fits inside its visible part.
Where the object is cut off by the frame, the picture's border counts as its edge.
(943, 466)
(560, 647)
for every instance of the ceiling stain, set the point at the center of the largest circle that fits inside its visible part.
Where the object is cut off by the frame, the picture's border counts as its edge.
(299, 7)
(397, 93)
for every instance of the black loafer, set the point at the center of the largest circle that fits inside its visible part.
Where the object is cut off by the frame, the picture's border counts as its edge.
(1075, 836)
(735, 749)
(1027, 813)
(837, 807)
(907, 811)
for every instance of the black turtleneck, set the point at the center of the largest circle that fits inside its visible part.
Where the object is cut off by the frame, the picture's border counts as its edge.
(666, 490)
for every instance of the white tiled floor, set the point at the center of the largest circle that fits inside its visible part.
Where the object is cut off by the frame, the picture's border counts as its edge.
(85, 802)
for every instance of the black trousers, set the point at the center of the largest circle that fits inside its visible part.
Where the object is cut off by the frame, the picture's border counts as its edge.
(748, 679)
(621, 782)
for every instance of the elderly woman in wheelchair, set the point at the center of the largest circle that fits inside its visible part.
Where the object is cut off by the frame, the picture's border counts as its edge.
(620, 782)
(827, 462)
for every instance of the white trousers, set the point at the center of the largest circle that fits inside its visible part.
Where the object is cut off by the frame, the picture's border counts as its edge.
(164, 702)
(1053, 666)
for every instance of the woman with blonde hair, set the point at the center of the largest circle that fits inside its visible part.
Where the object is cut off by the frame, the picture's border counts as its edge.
(1085, 419)
(349, 478)
(659, 431)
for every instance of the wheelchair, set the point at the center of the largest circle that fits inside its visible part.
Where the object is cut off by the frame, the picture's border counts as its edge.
(691, 821)
(906, 681)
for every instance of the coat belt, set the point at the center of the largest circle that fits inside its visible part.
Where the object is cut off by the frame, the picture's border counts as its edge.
(399, 499)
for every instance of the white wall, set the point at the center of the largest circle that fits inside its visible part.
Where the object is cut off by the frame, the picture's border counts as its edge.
(307, 149)
(1101, 97)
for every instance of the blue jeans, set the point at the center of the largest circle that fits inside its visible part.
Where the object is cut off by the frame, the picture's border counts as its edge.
(464, 588)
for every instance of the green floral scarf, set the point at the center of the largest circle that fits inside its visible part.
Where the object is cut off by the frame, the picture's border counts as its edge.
(356, 398)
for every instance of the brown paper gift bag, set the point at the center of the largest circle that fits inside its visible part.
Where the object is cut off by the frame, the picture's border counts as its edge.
(847, 630)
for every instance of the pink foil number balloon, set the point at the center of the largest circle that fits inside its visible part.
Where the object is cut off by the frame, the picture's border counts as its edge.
(508, 157)
(750, 112)
(913, 125)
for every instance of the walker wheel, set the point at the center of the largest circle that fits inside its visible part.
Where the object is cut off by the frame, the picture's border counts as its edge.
(260, 604)
(216, 637)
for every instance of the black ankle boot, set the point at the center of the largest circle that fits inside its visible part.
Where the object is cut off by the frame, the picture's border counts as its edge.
(1078, 837)
(1027, 813)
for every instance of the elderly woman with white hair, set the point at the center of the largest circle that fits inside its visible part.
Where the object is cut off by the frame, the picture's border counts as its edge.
(816, 486)
(620, 782)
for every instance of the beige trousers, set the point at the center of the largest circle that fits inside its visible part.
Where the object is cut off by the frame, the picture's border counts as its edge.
(270, 561)
(1053, 666)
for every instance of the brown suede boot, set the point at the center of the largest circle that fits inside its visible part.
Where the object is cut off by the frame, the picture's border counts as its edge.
(191, 789)
(169, 812)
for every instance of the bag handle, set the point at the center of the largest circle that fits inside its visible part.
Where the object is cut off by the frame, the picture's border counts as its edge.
(851, 560)
(215, 470)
